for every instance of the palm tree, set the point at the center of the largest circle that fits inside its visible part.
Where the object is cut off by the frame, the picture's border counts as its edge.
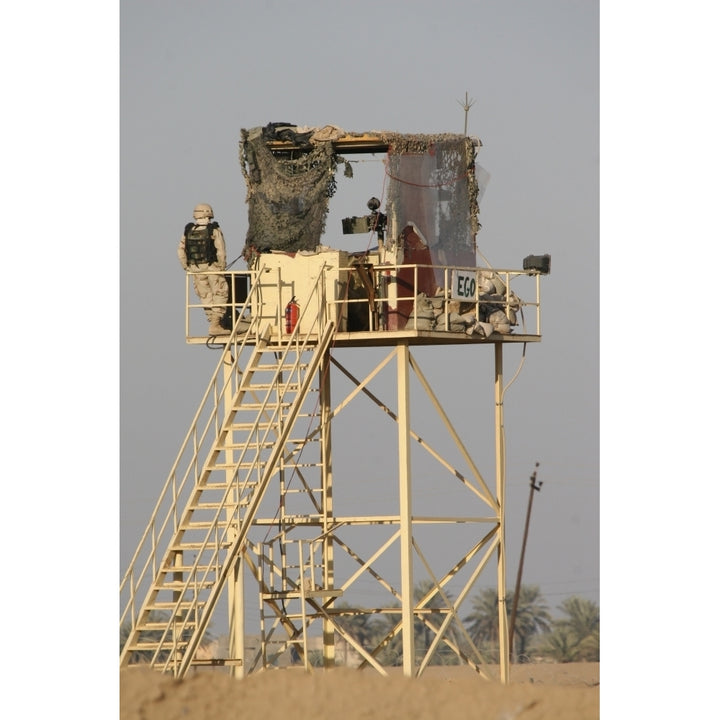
(484, 622)
(560, 645)
(531, 618)
(575, 638)
(425, 631)
(583, 623)
(583, 616)
(360, 626)
(391, 652)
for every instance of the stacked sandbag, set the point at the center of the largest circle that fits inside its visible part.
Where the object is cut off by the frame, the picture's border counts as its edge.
(451, 322)
(500, 312)
(483, 329)
(422, 316)
(438, 302)
(490, 283)
(496, 310)
(499, 320)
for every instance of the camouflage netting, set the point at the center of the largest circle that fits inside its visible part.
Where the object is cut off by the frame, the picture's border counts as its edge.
(455, 164)
(287, 195)
(432, 183)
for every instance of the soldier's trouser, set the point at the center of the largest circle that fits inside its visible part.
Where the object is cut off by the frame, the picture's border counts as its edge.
(212, 290)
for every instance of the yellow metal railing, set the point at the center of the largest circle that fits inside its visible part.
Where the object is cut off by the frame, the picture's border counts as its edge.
(170, 518)
(387, 291)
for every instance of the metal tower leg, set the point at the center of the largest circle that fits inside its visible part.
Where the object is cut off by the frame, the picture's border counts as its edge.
(327, 504)
(236, 592)
(406, 573)
(503, 638)
(235, 587)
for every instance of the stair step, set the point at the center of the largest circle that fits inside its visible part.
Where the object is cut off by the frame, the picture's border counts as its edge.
(203, 525)
(270, 411)
(250, 445)
(267, 444)
(250, 426)
(178, 568)
(223, 485)
(260, 406)
(224, 467)
(264, 361)
(196, 546)
(216, 506)
(170, 605)
(247, 426)
(147, 627)
(286, 386)
(177, 585)
(152, 646)
(296, 594)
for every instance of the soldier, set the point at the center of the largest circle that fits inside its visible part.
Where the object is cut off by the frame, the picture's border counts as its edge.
(202, 248)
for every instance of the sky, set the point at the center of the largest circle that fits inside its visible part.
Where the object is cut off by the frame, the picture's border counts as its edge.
(191, 76)
(606, 160)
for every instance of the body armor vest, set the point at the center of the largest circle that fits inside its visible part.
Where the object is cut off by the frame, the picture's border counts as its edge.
(199, 243)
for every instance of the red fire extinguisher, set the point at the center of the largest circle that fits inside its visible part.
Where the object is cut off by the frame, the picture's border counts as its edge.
(292, 312)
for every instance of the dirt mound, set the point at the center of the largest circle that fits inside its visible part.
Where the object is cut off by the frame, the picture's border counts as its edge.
(557, 691)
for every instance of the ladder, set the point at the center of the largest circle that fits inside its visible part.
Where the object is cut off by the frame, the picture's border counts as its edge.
(234, 447)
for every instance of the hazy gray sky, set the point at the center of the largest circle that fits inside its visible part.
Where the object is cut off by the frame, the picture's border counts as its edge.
(190, 76)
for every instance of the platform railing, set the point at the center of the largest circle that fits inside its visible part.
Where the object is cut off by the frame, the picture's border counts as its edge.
(370, 295)
(455, 289)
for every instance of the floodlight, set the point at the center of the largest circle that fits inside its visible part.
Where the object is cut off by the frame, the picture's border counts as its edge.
(537, 263)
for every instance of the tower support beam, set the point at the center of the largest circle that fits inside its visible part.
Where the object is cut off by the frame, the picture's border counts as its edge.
(503, 639)
(406, 571)
(235, 587)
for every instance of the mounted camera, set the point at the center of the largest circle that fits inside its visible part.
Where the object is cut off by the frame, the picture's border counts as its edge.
(374, 222)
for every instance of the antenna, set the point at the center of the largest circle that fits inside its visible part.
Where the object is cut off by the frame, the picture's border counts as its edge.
(466, 107)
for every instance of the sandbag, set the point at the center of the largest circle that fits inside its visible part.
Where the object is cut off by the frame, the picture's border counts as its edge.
(455, 323)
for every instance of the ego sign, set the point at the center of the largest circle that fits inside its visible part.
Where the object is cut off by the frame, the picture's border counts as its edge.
(463, 285)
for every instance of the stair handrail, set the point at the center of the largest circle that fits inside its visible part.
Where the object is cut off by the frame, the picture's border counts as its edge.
(295, 345)
(172, 487)
(323, 343)
(169, 484)
(173, 490)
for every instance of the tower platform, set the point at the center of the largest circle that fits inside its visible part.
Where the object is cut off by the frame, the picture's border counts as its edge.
(373, 303)
(389, 338)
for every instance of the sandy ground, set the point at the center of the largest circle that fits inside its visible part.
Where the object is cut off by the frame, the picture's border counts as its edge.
(549, 691)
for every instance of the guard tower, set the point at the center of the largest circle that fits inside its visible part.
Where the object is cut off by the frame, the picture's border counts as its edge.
(258, 503)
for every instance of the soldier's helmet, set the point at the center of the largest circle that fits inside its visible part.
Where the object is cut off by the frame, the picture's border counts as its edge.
(203, 210)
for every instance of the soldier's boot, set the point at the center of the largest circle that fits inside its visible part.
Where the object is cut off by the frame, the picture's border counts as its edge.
(216, 328)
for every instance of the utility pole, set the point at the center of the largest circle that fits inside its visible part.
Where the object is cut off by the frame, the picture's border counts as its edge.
(466, 106)
(533, 488)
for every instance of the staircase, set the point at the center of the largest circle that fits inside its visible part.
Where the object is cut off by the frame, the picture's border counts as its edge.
(236, 444)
